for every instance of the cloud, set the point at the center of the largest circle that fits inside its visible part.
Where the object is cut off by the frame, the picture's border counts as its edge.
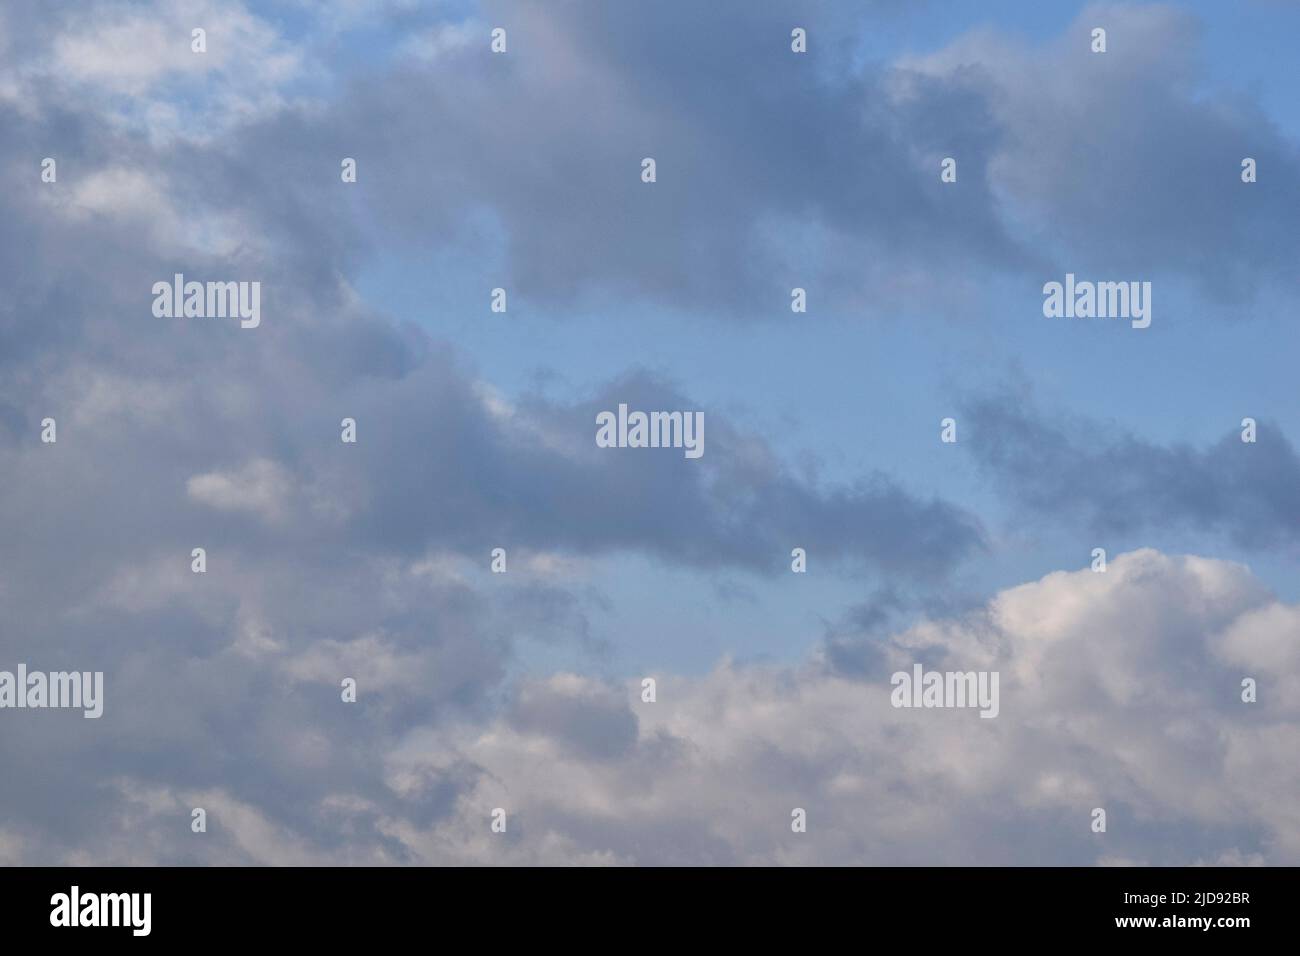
(738, 506)
(1113, 480)
(1118, 690)
(536, 157)
(1125, 162)
(261, 487)
(328, 560)
(578, 714)
(528, 165)
(324, 560)
(131, 62)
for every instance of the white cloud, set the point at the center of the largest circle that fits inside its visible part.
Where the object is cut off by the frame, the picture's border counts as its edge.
(134, 62)
(135, 198)
(1118, 690)
(261, 487)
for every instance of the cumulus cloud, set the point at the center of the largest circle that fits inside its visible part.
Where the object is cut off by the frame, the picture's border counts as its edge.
(1119, 690)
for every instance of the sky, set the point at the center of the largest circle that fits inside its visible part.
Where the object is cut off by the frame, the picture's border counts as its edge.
(521, 170)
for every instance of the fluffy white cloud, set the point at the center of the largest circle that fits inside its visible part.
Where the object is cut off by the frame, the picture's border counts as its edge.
(1118, 689)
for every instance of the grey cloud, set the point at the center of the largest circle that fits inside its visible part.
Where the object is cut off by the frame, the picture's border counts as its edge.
(543, 147)
(1124, 162)
(820, 171)
(594, 722)
(1113, 480)
(541, 481)
(327, 560)
(546, 144)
